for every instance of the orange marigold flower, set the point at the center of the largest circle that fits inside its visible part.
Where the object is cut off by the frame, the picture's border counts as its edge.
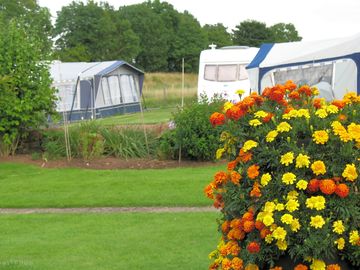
(268, 117)
(276, 268)
(342, 190)
(235, 113)
(342, 117)
(288, 109)
(327, 186)
(214, 266)
(253, 247)
(294, 95)
(255, 192)
(258, 99)
(317, 102)
(236, 234)
(225, 226)
(235, 223)
(209, 191)
(251, 266)
(218, 203)
(232, 165)
(217, 119)
(333, 267)
(277, 95)
(305, 89)
(247, 103)
(235, 177)
(313, 185)
(301, 267)
(220, 178)
(338, 103)
(226, 264)
(259, 225)
(245, 156)
(253, 171)
(290, 85)
(249, 226)
(237, 263)
(264, 232)
(248, 216)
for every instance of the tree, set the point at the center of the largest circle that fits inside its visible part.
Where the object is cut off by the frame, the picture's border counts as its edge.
(36, 20)
(217, 34)
(152, 32)
(282, 32)
(26, 95)
(93, 32)
(251, 33)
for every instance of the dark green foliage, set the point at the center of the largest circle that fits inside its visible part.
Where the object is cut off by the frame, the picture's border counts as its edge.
(282, 32)
(217, 34)
(193, 132)
(26, 96)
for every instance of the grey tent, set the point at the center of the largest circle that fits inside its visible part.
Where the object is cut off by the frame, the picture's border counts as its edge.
(97, 89)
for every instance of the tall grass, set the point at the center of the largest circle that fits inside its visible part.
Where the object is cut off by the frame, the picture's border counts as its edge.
(165, 89)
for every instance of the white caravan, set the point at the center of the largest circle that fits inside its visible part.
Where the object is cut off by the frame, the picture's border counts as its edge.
(222, 71)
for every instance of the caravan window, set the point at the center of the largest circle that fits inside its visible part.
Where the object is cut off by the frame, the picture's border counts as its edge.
(243, 75)
(227, 73)
(210, 72)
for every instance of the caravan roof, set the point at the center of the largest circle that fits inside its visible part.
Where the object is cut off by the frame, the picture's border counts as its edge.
(231, 54)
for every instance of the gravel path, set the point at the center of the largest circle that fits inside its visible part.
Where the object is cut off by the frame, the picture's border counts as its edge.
(106, 210)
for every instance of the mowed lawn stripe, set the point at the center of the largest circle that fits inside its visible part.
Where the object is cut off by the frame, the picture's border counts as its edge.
(107, 241)
(26, 186)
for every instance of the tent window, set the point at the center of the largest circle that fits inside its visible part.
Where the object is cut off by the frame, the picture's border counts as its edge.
(128, 88)
(227, 73)
(66, 95)
(106, 91)
(210, 72)
(243, 75)
(114, 89)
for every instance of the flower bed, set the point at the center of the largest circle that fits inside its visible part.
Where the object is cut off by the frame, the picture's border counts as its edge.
(291, 184)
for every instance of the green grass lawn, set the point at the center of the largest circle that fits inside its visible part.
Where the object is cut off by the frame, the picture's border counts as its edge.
(152, 116)
(30, 186)
(107, 241)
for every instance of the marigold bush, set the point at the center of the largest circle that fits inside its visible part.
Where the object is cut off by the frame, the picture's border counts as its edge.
(291, 184)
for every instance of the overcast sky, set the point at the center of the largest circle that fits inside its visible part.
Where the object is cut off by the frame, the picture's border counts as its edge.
(314, 19)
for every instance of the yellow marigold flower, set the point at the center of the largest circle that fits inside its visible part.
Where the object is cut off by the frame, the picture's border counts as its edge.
(249, 145)
(295, 225)
(280, 207)
(283, 127)
(318, 167)
(301, 184)
(354, 237)
(292, 205)
(260, 114)
(287, 219)
(331, 109)
(268, 219)
(350, 173)
(316, 202)
(281, 244)
(287, 158)
(320, 136)
(279, 233)
(239, 92)
(291, 114)
(292, 195)
(317, 222)
(321, 113)
(340, 243)
(269, 239)
(345, 136)
(227, 106)
(350, 97)
(271, 136)
(302, 161)
(304, 113)
(288, 178)
(269, 207)
(219, 153)
(354, 131)
(337, 127)
(255, 122)
(317, 265)
(315, 91)
(265, 179)
(338, 227)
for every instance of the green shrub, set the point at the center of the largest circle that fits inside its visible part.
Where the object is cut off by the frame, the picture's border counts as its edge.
(193, 132)
(54, 144)
(128, 143)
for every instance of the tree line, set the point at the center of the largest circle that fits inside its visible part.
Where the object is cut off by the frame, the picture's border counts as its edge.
(153, 35)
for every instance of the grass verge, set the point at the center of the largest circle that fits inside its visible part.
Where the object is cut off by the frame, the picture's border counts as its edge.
(25, 186)
(107, 241)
